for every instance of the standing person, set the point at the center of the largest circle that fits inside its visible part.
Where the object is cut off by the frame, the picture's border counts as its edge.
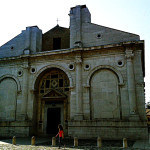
(61, 135)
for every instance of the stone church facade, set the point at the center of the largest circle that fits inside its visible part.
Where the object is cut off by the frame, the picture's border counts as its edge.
(88, 77)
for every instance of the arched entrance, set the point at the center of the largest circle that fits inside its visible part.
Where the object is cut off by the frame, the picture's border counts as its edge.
(52, 101)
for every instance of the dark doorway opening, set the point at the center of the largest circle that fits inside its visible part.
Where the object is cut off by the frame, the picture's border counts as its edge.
(56, 43)
(53, 120)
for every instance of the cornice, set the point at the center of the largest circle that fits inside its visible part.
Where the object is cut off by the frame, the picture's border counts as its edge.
(71, 50)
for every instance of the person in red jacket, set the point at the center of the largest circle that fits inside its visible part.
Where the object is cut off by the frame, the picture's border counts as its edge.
(61, 135)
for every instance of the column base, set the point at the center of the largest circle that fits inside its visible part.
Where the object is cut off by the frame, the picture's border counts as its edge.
(40, 127)
(21, 117)
(134, 117)
(78, 117)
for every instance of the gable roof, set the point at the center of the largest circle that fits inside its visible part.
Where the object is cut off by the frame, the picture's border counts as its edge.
(57, 32)
(57, 28)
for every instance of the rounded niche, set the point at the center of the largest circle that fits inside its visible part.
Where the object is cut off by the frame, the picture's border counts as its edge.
(71, 66)
(12, 47)
(86, 67)
(120, 63)
(99, 36)
(20, 73)
(33, 70)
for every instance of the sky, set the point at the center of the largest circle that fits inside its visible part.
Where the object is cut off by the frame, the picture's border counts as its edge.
(127, 15)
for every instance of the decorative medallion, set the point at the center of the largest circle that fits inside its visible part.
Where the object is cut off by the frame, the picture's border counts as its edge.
(54, 83)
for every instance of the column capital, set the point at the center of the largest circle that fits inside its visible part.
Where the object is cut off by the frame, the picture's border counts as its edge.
(25, 66)
(34, 91)
(71, 88)
(121, 84)
(19, 92)
(139, 51)
(129, 54)
(78, 59)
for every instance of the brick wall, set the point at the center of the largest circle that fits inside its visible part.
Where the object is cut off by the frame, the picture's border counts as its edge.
(56, 32)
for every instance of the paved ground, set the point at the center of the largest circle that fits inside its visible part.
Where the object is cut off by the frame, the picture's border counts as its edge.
(45, 144)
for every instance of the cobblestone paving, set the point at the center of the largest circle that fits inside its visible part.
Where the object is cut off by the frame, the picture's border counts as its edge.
(29, 147)
(83, 145)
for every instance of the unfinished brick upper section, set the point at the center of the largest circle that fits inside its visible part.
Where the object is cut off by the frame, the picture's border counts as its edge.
(54, 33)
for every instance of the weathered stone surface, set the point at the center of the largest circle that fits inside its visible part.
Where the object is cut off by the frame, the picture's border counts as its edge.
(89, 34)
(29, 39)
(94, 88)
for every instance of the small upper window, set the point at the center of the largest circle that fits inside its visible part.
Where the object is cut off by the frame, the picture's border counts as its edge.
(56, 43)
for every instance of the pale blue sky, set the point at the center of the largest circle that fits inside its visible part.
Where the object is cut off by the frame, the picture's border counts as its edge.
(127, 15)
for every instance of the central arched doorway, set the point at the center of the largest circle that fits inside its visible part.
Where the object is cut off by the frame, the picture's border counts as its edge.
(52, 101)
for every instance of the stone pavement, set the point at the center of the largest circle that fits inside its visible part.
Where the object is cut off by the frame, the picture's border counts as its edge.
(142, 145)
(45, 144)
(27, 140)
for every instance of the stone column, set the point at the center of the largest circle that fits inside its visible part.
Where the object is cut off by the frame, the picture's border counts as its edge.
(65, 110)
(131, 82)
(39, 114)
(72, 102)
(25, 90)
(39, 110)
(79, 109)
(140, 86)
(42, 114)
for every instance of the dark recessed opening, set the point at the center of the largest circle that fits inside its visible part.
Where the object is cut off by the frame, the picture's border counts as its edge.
(12, 47)
(98, 35)
(33, 69)
(56, 43)
(71, 66)
(53, 120)
(41, 91)
(119, 63)
(87, 66)
(66, 89)
(47, 83)
(60, 82)
(54, 76)
(19, 73)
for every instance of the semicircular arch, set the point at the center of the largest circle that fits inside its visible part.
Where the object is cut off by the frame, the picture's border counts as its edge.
(119, 75)
(14, 78)
(52, 66)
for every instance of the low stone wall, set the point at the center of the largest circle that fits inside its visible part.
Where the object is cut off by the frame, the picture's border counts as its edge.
(14, 128)
(111, 130)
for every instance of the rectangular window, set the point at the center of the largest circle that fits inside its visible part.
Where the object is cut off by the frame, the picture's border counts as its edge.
(56, 43)
(47, 83)
(60, 82)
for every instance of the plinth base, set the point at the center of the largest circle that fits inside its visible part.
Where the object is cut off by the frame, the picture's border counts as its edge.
(78, 117)
(134, 117)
